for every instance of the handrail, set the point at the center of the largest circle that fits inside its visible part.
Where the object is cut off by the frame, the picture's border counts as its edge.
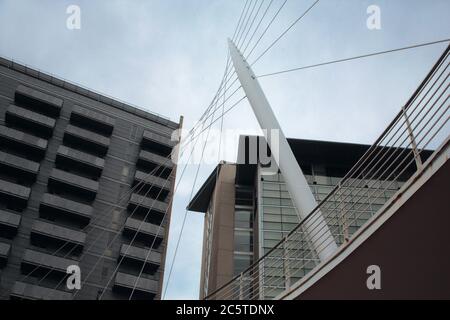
(416, 122)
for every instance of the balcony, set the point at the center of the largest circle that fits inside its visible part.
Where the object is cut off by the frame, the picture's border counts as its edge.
(145, 231)
(137, 257)
(20, 167)
(92, 120)
(86, 140)
(14, 193)
(23, 143)
(26, 291)
(39, 124)
(9, 223)
(46, 262)
(149, 161)
(152, 208)
(154, 187)
(143, 288)
(66, 181)
(157, 143)
(5, 249)
(43, 233)
(39, 101)
(85, 162)
(55, 206)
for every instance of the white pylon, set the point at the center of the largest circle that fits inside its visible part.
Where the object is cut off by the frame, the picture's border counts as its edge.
(316, 228)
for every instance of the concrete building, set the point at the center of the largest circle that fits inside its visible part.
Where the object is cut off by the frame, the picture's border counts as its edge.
(84, 180)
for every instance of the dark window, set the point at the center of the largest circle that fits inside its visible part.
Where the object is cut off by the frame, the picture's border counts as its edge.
(241, 262)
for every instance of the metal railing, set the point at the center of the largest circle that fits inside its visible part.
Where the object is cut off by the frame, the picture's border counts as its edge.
(399, 153)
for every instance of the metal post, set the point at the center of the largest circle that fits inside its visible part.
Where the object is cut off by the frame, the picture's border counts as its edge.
(286, 261)
(413, 141)
(316, 227)
(241, 287)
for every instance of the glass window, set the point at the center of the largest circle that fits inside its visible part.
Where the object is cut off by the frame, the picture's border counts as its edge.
(286, 202)
(289, 226)
(271, 226)
(270, 177)
(271, 243)
(291, 219)
(285, 195)
(323, 180)
(309, 179)
(270, 235)
(241, 262)
(289, 211)
(272, 210)
(269, 193)
(271, 186)
(243, 219)
(271, 201)
(243, 241)
(324, 189)
(272, 217)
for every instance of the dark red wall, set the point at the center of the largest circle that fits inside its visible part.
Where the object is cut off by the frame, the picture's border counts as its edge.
(412, 249)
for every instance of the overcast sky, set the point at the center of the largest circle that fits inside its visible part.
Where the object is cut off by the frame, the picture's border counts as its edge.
(168, 57)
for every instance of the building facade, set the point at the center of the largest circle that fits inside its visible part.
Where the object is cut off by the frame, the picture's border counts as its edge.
(248, 210)
(85, 180)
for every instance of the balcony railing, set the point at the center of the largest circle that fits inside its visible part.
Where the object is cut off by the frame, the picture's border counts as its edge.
(87, 140)
(399, 154)
(38, 100)
(26, 291)
(157, 141)
(54, 206)
(145, 231)
(18, 166)
(155, 182)
(152, 208)
(5, 249)
(15, 193)
(152, 186)
(146, 157)
(9, 223)
(93, 120)
(46, 262)
(43, 233)
(139, 256)
(143, 288)
(23, 143)
(73, 183)
(31, 121)
(84, 161)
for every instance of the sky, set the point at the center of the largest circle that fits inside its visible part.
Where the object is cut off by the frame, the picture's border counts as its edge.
(168, 57)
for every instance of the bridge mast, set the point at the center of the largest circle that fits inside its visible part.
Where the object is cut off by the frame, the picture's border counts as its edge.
(316, 227)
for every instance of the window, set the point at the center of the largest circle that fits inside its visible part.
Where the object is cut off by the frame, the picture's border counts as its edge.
(244, 196)
(271, 194)
(243, 219)
(271, 201)
(243, 241)
(241, 262)
(271, 186)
